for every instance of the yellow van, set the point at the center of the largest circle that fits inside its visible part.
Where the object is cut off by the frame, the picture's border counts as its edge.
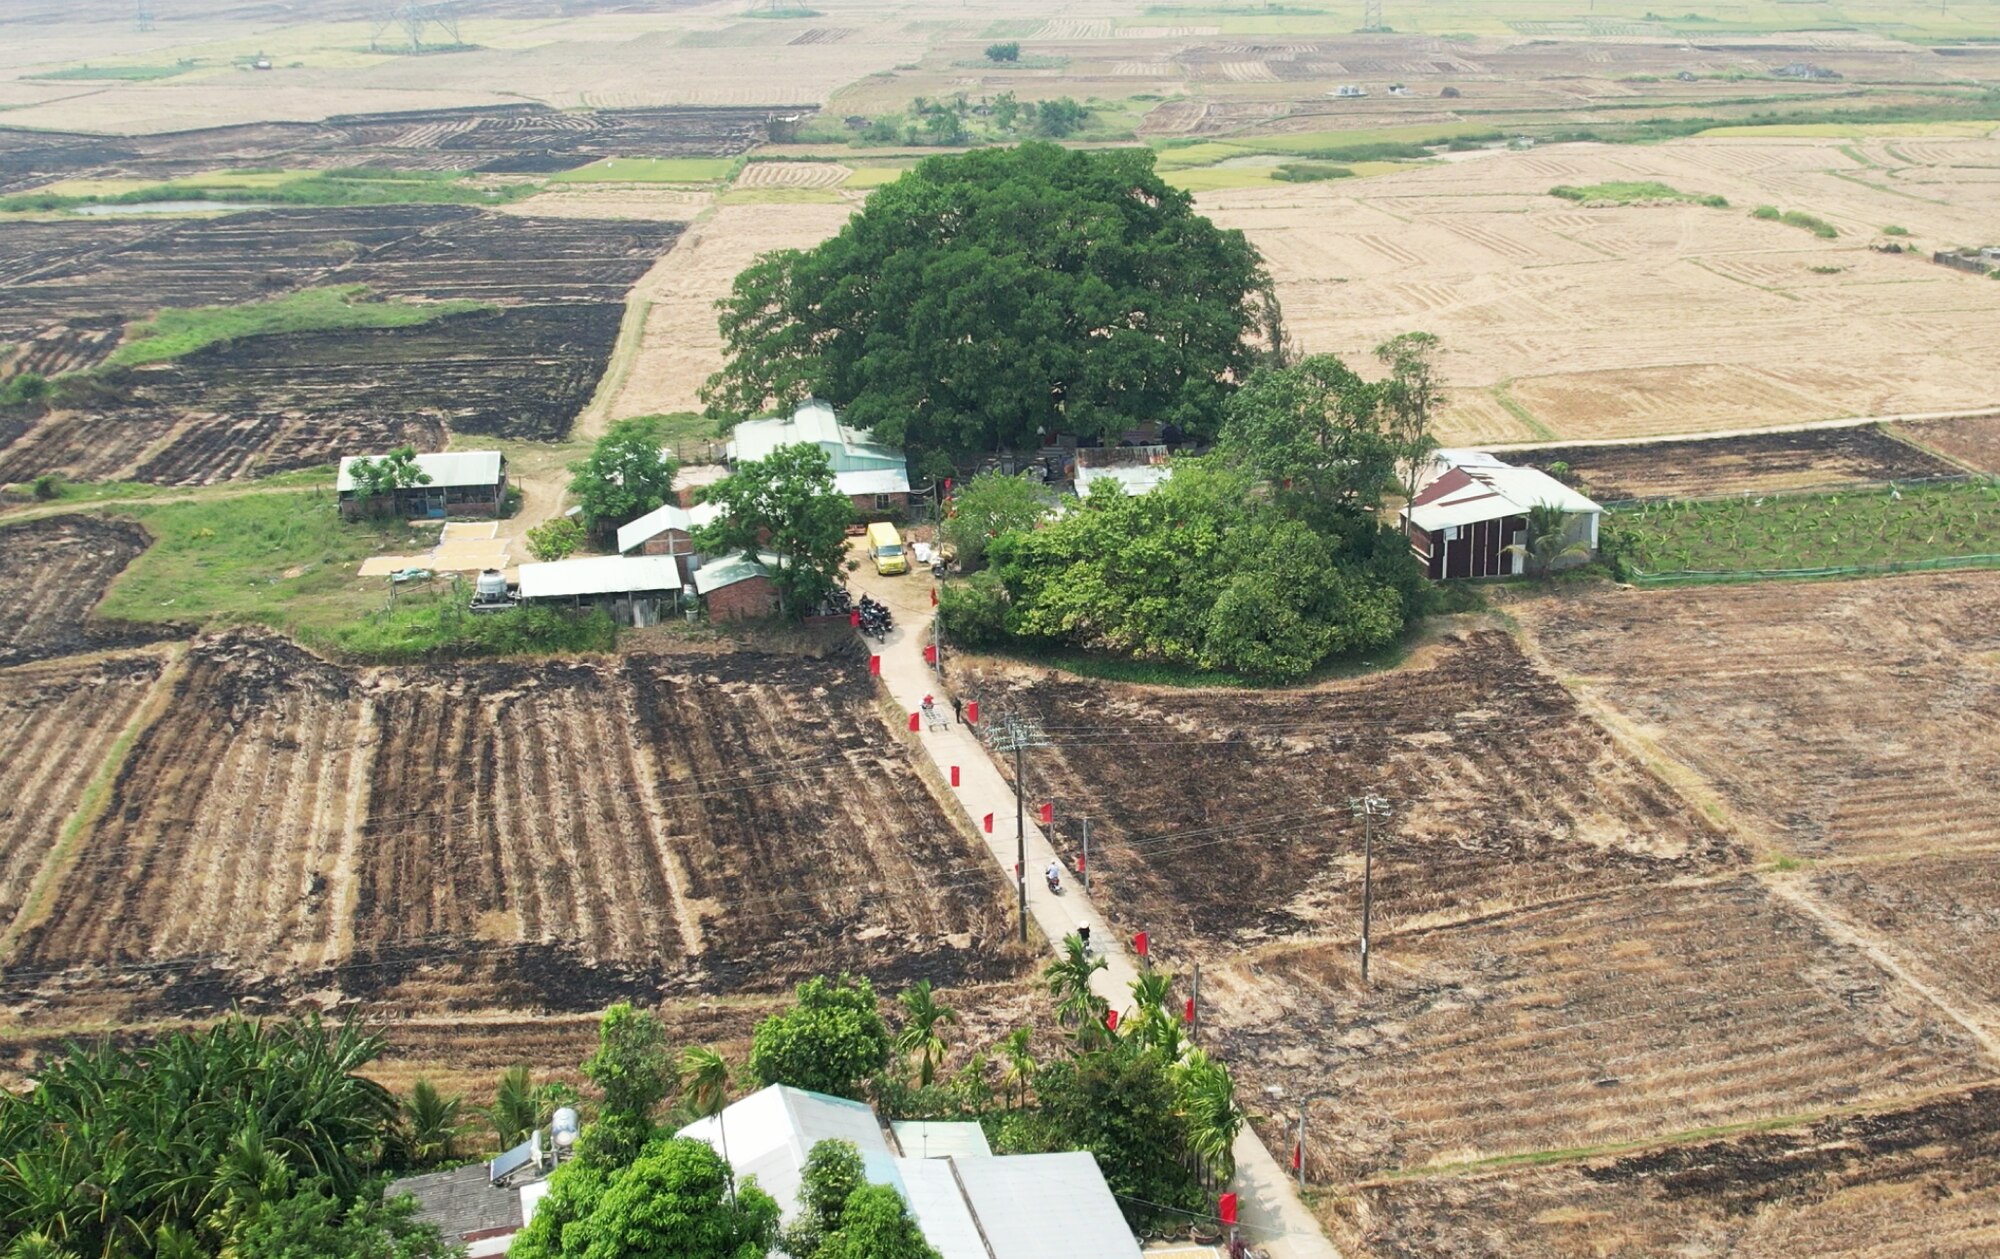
(885, 547)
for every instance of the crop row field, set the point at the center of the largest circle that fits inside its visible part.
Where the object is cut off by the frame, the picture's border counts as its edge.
(522, 363)
(1865, 527)
(501, 836)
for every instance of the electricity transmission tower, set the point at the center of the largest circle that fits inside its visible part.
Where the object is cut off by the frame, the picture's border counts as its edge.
(1367, 808)
(145, 17)
(1371, 15)
(414, 19)
(1017, 735)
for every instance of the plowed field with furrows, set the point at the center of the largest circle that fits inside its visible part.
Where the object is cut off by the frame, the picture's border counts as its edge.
(1839, 718)
(56, 570)
(65, 347)
(1755, 464)
(1940, 914)
(227, 827)
(505, 836)
(58, 721)
(1219, 819)
(1617, 1018)
(1915, 1183)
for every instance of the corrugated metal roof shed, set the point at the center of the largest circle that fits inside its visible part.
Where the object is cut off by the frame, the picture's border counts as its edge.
(660, 519)
(1135, 478)
(446, 469)
(873, 481)
(727, 570)
(770, 1132)
(461, 1201)
(1472, 486)
(813, 423)
(600, 575)
(924, 1138)
(1046, 1206)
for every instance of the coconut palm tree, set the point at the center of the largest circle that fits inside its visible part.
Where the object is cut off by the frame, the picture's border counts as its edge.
(1154, 1023)
(517, 1107)
(1549, 540)
(921, 1037)
(704, 1081)
(430, 1123)
(1021, 1064)
(1068, 981)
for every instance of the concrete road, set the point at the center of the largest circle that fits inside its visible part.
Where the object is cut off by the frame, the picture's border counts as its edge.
(1273, 1219)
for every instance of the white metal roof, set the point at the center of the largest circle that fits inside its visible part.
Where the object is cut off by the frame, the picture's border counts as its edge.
(446, 469)
(813, 423)
(930, 1138)
(1137, 478)
(1497, 490)
(873, 481)
(600, 575)
(727, 570)
(770, 1132)
(930, 1186)
(671, 516)
(1045, 1206)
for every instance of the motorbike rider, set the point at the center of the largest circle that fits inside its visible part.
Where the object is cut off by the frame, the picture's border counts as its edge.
(1053, 874)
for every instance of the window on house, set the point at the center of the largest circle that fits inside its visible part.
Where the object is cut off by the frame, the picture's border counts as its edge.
(882, 502)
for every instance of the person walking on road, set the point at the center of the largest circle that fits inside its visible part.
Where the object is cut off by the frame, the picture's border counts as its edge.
(957, 709)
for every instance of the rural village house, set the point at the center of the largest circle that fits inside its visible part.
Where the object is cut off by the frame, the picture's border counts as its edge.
(462, 483)
(1470, 507)
(875, 476)
(736, 587)
(969, 1202)
(669, 530)
(635, 589)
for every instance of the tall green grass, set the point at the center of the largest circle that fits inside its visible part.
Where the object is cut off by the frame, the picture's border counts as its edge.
(175, 332)
(1625, 193)
(326, 188)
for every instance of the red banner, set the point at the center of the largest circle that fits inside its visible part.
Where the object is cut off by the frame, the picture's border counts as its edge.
(1139, 943)
(930, 653)
(916, 721)
(1225, 1207)
(954, 775)
(1111, 1019)
(854, 618)
(1048, 813)
(1297, 1154)
(874, 666)
(972, 713)
(1080, 862)
(933, 596)
(988, 823)
(1188, 1016)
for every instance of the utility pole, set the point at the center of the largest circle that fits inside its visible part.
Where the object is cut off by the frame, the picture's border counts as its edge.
(1085, 863)
(1017, 735)
(1368, 808)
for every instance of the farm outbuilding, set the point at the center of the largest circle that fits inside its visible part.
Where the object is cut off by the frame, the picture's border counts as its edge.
(1139, 469)
(1473, 507)
(736, 588)
(462, 483)
(874, 475)
(669, 530)
(635, 589)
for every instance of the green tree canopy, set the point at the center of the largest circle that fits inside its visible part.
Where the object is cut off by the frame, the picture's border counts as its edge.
(1118, 1102)
(876, 1225)
(991, 504)
(635, 1070)
(786, 503)
(830, 1039)
(671, 1202)
(312, 1224)
(832, 1173)
(397, 470)
(984, 296)
(627, 474)
(1312, 433)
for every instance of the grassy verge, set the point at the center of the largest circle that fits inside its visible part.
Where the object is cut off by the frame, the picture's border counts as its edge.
(651, 170)
(1812, 533)
(328, 188)
(176, 332)
(1381, 144)
(779, 196)
(436, 625)
(109, 74)
(1626, 193)
(1797, 218)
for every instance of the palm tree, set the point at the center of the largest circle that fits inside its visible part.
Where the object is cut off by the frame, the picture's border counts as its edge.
(1154, 1023)
(1206, 1097)
(1068, 981)
(1550, 540)
(704, 1081)
(430, 1123)
(1020, 1069)
(516, 1108)
(921, 1038)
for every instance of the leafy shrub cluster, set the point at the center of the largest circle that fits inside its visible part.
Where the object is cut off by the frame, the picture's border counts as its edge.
(1310, 172)
(443, 629)
(1797, 218)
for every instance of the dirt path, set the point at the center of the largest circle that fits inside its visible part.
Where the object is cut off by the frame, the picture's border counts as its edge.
(1858, 421)
(1273, 1217)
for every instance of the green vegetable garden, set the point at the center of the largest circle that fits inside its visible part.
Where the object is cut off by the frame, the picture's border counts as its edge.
(1876, 527)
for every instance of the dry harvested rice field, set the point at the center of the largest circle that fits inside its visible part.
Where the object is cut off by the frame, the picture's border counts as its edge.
(1762, 463)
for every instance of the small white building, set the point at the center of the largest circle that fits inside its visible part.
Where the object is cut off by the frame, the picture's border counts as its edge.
(875, 475)
(970, 1204)
(1470, 507)
(1138, 469)
(635, 589)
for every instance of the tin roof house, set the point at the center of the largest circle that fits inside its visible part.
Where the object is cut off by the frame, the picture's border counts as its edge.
(1472, 509)
(876, 476)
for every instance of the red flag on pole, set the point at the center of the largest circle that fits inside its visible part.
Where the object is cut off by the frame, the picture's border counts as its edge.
(1297, 1154)
(854, 618)
(916, 722)
(933, 596)
(987, 822)
(1111, 1020)
(972, 712)
(1080, 862)
(1225, 1207)
(874, 666)
(1188, 1016)
(1048, 813)
(954, 775)
(930, 653)
(1139, 943)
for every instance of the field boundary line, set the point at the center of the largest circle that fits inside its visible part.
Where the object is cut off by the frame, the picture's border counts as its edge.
(594, 419)
(359, 798)
(96, 796)
(1690, 1136)
(1802, 426)
(1840, 928)
(1503, 393)
(1898, 434)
